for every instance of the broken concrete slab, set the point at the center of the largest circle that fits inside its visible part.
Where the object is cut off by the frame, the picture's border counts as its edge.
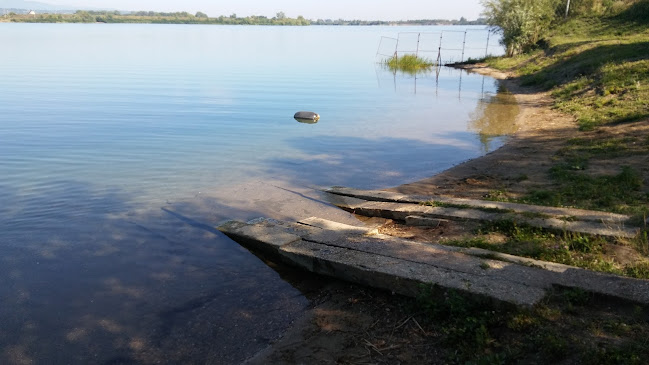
(401, 276)
(402, 266)
(417, 220)
(388, 196)
(526, 261)
(376, 270)
(338, 227)
(399, 211)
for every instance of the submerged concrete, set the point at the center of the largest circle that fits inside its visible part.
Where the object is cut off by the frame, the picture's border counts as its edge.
(361, 255)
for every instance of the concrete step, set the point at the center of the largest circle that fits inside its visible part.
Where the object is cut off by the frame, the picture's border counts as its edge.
(400, 211)
(557, 212)
(363, 256)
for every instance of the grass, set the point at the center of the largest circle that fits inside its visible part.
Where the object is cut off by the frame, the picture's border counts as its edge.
(620, 193)
(596, 68)
(576, 184)
(574, 249)
(569, 326)
(598, 71)
(409, 63)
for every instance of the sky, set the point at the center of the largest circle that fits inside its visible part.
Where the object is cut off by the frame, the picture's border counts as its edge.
(310, 9)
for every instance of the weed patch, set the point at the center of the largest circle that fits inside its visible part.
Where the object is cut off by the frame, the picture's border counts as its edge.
(475, 330)
(409, 63)
(618, 193)
(589, 252)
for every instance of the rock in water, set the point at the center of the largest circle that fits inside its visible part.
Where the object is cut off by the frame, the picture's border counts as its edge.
(306, 116)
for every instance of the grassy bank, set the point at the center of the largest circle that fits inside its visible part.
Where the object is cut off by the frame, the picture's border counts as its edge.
(596, 70)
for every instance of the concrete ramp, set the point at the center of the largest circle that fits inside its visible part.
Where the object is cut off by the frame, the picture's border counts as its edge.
(399, 207)
(361, 255)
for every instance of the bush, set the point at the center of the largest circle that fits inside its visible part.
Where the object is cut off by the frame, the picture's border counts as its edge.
(522, 22)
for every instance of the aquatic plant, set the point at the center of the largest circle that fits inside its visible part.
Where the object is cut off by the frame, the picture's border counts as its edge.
(408, 63)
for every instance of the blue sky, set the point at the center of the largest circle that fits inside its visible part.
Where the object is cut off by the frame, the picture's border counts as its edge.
(312, 9)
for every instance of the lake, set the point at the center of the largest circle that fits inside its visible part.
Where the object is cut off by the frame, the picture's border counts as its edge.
(122, 146)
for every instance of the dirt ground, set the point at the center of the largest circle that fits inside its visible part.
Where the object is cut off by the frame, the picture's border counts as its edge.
(530, 152)
(349, 324)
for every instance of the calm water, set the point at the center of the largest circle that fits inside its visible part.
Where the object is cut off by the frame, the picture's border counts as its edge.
(122, 145)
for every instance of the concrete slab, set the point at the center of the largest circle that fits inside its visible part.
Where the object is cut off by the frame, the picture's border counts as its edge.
(338, 227)
(400, 211)
(388, 196)
(401, 276)
(400, 265)
(263, 236)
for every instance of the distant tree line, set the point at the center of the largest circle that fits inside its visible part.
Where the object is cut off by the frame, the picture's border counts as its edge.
(462, 21)
(83, 16)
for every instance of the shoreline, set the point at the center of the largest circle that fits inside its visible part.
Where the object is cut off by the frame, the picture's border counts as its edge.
(527, 153)
(343, 317)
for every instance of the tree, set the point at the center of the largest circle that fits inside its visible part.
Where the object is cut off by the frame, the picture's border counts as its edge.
(85, 17)
(522, 22)
(302, 21)
(280, 15)
(200, 14)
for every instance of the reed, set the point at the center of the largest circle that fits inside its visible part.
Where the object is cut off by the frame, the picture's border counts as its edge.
(409, 63)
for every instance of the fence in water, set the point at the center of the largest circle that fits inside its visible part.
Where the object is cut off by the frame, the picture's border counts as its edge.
(442, 47)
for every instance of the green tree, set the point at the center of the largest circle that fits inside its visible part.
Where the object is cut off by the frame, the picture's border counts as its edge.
(522, 22)
(85, 17)
(200, 14)
(301, 21)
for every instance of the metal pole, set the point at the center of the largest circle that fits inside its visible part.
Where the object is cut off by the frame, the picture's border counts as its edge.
(459, 91)
(378, 49)
(417, 51)
(396, 49)
(567, 8)
(486, 50)
(439, 49)
(463, 44)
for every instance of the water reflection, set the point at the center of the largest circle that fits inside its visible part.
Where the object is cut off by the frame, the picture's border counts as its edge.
(426, 73)
(495, 113)
(306, 121)
(494, 116)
